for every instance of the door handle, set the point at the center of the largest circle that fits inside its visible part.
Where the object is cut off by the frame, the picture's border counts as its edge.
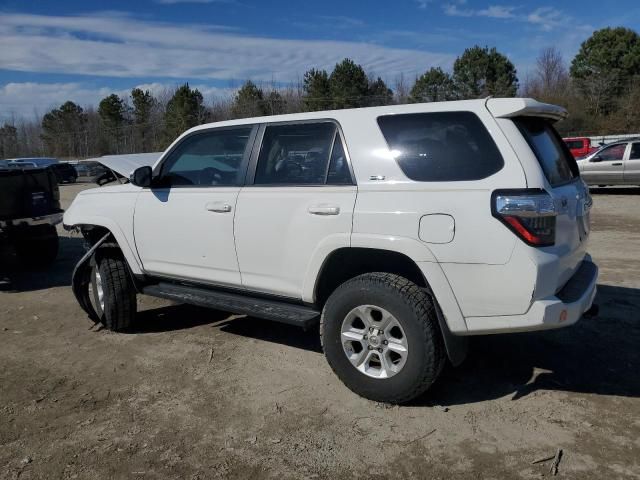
(218, 207)
(324, 210)
(616, 164)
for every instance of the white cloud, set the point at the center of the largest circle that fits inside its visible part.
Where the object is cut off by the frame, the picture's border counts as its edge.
(497, 11)
(122, 46)
(547, 18)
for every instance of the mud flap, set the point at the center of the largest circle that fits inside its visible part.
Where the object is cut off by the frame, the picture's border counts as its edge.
(81, 279)
(457, 346)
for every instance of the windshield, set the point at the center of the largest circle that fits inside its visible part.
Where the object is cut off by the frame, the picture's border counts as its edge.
(552, 153)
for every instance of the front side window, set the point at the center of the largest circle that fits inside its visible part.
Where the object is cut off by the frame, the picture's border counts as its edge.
(635, 152)
(442, 146)
(554, 157)
(212, 158)
(612, 153)
(300, 154)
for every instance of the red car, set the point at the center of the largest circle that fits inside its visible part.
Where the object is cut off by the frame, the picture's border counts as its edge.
(579, 146)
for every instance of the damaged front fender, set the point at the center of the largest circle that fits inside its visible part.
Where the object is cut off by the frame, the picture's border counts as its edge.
(81, 280)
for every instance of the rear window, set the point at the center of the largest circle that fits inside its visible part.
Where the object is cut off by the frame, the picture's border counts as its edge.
(552, 153)
(574, 144)
(442, 146)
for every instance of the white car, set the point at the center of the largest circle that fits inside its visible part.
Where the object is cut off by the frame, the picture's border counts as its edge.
(402, 229)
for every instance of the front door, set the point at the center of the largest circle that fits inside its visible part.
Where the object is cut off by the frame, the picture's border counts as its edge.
(299, 207)
(606, 168)
(183, 225)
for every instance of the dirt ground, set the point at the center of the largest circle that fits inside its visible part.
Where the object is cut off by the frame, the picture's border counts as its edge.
(195, 394)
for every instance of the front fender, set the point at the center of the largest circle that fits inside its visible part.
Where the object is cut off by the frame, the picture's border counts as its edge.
(111, 208)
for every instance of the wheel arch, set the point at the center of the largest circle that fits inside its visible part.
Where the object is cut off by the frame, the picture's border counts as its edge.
(95, 228)
(345, 263)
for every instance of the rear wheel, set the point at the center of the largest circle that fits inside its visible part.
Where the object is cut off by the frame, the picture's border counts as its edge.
(381, 337)
(114, 294)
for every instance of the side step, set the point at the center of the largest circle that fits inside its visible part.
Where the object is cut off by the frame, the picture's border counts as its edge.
(283, 312)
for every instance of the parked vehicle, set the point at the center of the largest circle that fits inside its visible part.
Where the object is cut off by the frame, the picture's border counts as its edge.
(65, 173)
(29, 211)
(37, 161)
(579, 146)
(617, 163)
(88, 171)
(401, 229)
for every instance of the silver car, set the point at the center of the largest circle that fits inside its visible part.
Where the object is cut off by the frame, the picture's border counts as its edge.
(617, 163)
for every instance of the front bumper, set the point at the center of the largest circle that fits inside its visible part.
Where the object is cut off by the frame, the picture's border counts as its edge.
(560, 310)
(52, 219)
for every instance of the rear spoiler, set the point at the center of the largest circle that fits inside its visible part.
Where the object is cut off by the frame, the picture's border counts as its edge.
(524, 107)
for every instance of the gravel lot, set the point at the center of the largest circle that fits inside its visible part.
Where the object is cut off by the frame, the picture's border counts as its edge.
(197, 394)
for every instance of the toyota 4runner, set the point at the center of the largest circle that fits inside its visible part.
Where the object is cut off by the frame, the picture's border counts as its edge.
(402, 230)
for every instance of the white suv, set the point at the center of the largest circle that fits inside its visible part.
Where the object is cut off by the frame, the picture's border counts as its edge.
(402, 229)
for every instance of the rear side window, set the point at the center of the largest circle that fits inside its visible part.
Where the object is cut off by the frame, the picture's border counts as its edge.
(443, 146)
(302, 154)
(635, 152)
(554, 157)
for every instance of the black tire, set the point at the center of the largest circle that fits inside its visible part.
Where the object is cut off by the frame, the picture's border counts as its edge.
(37, 247)
(413, 308)
(118, 309)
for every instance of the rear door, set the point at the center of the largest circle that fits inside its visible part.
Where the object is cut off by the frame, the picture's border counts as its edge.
(569, 194)
(632, 165)
(606, 167)
(298, 203)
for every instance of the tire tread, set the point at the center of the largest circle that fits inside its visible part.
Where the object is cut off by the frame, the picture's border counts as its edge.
(423, 306)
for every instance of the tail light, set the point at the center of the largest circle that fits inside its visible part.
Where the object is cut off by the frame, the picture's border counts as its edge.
(530, 214)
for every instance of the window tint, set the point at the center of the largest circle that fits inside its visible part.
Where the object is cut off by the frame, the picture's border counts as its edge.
(575, 144)
(436, 147)
(295, 154)
(554, 157)
(210, 158)
(612, 153)
(635, 152)
(339, 173)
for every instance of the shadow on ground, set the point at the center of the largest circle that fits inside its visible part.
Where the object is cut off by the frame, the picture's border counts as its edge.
(598, 355)
(16, 278)
(632, 190)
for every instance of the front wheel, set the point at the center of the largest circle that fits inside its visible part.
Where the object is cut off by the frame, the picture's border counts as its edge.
(114, 294)
(381, 337)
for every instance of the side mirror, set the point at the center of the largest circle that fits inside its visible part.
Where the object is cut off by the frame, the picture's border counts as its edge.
(596, 158)
(141, 177)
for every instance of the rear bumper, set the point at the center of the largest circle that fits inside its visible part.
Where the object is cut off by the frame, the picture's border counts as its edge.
(560, 310)
(52, 219)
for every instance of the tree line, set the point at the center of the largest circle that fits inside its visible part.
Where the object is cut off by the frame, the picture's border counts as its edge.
(600, 87)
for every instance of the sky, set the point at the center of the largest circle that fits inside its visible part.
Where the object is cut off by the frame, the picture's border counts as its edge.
(82, 50)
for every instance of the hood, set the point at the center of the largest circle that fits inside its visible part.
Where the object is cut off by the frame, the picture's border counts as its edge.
(126, 164)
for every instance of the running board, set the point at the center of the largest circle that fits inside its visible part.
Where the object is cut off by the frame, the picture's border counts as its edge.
(268, 309)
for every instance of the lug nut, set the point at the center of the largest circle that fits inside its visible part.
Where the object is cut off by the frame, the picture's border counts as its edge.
(370, 347)
(385, 342)
(365, 337)
(380, 350)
